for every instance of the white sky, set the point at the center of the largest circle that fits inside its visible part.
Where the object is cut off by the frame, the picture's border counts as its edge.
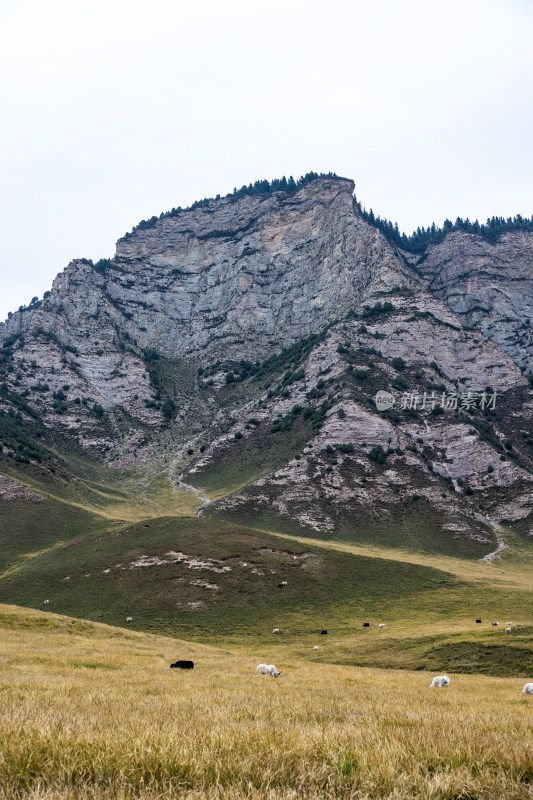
(114, 110)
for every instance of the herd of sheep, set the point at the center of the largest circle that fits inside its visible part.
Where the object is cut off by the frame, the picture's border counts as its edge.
(440, 681)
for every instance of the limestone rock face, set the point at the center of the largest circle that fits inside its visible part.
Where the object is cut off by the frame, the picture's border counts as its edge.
(238, 278)
(430, 456)
(489, 286)
(242, 277)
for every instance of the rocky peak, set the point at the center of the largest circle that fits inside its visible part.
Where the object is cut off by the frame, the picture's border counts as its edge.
(239, 277)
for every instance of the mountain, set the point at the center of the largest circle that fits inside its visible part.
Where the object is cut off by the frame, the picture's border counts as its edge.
(235, 349)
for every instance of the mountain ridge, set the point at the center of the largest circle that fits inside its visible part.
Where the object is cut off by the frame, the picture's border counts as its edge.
(493, 255)
(241, 343)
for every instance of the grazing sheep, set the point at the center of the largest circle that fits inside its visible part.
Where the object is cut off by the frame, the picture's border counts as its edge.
(441, 681)
(323, 632)
(268, 669)
(508, 630)
(528, 688)
(478, 621)
(315, 647)
(276, 630)
(494, 624)
(181, 664)
(45, 602)
(283, 583)
(381, 625)
(508, 624)
(129, 619)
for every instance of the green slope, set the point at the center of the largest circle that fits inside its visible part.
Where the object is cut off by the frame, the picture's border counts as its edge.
(242, 461)
(430, 613)
(28, 527)
(415, 526)
(94, 577)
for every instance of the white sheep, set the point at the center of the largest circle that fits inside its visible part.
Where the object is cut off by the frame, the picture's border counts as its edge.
(129, 619)
(528, 688)
(268, 669)
(276, 630)
(381, 625)
(315, 647)
(440, 680)
(45, 602)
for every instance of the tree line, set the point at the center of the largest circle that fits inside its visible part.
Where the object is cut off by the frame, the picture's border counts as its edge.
(419, 240)
(288, 185)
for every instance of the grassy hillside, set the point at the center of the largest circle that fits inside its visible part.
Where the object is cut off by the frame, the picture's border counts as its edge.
(90, 711)
(115, 494)
(218, 582)
(245, 460)
(96, 576)
(29, 527)
(414, 526)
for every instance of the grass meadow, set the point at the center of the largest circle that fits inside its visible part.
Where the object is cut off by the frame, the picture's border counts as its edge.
(429, 611)
(91, 711)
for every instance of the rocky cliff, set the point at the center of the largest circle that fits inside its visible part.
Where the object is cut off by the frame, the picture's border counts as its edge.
(242, 342)
(489, 286)
(235, 279)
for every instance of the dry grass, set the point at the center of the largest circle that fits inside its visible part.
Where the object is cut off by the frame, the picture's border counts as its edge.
(89, 711)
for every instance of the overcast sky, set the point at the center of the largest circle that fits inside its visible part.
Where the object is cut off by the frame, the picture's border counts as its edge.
(115, 110)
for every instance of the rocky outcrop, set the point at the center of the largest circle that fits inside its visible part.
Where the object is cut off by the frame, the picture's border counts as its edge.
(241, 277)
(238, 278)
(489, 286)
(442, 459)
(13, 490)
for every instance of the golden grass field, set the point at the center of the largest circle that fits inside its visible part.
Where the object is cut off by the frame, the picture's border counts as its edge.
(91, 711)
